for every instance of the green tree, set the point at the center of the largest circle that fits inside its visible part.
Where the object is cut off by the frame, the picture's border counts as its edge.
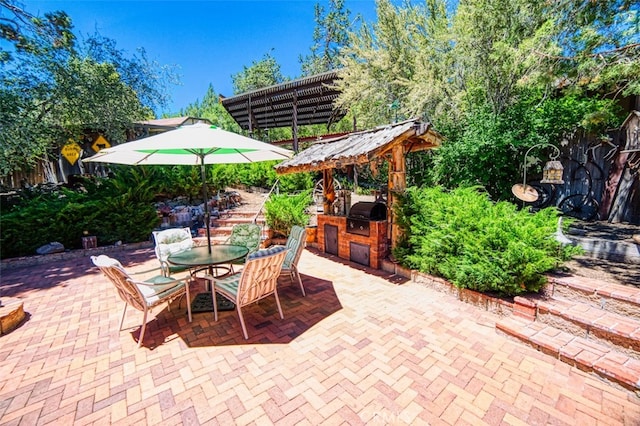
(594, 45)
(148, 78)
(263, 73)
(494, 77)
(486, 149)
(491, 46)
(211, 108)
(260, 74)
(382, 60)
(435, 91)
(26, 32)
(92, 95)
(54, 89)
(330, 35)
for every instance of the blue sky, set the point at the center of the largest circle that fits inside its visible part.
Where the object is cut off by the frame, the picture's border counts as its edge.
(208, 40)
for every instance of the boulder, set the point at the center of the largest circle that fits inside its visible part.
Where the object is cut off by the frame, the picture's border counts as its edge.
(54, 247)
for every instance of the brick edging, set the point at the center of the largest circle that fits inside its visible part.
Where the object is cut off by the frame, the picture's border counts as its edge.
(491, 304)
(523, 306)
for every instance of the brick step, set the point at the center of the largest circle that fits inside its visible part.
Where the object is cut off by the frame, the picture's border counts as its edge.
(222, 232)
(219, 239)
(202, 240)
(230, 221)
(618, 332)
(616, 298)
(235, 213)
(222, 226)
(227, 228)
(586, 355)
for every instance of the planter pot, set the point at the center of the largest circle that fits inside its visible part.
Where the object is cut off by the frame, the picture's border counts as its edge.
(312, 234)
(278, 241)
(89, 242)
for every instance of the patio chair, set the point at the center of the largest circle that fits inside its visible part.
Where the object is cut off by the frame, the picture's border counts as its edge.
(246, 235)
(142, 295)
(295, 244)
(171, 241)
(257, 280)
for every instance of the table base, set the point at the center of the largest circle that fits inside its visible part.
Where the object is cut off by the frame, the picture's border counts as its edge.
(203, 302)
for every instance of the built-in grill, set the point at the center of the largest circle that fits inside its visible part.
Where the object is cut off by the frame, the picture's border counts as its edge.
(362, 213)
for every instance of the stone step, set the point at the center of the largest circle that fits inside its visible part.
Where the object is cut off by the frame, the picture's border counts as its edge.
(618, 332)
(602, 240)
(615, 298)
(619, 251)
(587, 355)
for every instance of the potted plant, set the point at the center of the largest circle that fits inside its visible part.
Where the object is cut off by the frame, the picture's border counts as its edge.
(282, 211)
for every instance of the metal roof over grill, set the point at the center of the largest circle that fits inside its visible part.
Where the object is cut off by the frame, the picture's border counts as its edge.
(308, 100)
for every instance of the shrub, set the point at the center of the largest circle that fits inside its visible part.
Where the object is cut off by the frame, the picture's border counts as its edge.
(282, 211)
(487, 148)
(295, 182)
(261, 174)
(107, 209)
(465, 238)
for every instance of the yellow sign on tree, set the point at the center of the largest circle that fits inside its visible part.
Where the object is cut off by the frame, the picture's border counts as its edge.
(100, 143)
(71, 152)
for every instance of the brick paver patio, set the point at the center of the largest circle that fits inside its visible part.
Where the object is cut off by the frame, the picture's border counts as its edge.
(362, 348)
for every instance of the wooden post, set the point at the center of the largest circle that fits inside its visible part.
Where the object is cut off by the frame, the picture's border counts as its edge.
(397, 184)
(611, 185)
(328, 192)
(620, 206)
(294, 124)
(250, 116)
(355, 178)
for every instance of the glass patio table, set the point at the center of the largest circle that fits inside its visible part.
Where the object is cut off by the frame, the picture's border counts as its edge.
(198, 259)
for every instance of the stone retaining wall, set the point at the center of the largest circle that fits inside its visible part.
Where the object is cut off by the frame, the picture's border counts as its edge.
(19, 262)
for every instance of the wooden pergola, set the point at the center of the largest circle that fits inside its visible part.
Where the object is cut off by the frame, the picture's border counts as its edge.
(308, 100)
(385, 143)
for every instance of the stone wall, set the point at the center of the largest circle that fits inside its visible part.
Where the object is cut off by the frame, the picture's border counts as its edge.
(18, 262)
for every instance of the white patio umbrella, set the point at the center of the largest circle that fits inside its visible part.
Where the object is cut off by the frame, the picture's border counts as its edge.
(195, 144)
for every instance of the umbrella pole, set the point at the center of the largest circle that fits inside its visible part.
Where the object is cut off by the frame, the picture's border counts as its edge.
(203, 173)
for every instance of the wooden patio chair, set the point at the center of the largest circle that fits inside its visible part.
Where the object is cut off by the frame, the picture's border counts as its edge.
(142, 295)
(295, 244)
(257, 280)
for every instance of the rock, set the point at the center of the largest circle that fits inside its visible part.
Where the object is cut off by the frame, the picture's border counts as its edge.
(54, 247)
(560, 237)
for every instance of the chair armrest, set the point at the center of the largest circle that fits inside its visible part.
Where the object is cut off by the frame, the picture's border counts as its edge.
(146, 271)
(215, 280)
